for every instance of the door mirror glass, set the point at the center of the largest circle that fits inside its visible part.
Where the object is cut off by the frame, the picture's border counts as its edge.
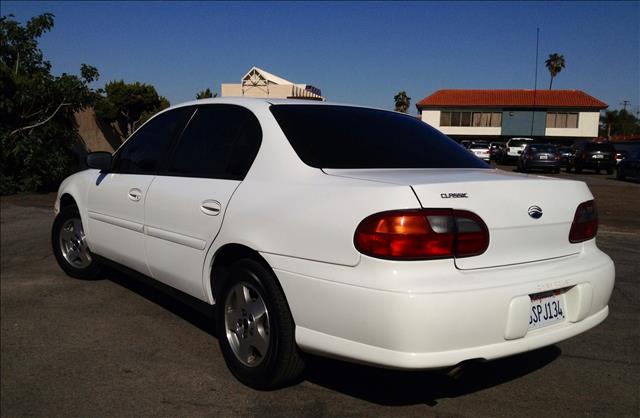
(100, 160)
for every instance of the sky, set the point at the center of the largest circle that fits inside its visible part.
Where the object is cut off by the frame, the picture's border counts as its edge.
(355, 52)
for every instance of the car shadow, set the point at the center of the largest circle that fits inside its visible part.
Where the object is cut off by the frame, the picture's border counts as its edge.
(372, 384)
(403, 388)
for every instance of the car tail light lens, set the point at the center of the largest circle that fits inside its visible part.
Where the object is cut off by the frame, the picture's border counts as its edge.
(585, 222)
(422, 234)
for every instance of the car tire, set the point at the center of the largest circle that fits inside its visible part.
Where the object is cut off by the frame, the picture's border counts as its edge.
(69, 245)
(620, 174)
(255, 328)
(578, 170)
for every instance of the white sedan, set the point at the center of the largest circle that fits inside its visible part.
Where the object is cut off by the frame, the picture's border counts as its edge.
(344, 231)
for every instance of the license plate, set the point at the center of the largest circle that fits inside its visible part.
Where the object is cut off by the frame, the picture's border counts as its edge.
(546, 309)
(543, 157)
(598, 156)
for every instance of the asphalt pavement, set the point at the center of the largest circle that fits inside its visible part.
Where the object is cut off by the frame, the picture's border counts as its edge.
(117, 347)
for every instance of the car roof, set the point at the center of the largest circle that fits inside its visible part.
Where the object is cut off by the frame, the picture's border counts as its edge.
(252, 100)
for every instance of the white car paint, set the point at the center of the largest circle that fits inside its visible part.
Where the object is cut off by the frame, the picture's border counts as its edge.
(513, 150)
(400, 314)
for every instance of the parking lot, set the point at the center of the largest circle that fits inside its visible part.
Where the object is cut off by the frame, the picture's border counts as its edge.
(118, 347)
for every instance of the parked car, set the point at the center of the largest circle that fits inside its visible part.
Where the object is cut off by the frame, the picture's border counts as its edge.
(629, 167)
(480, 150)
(592, 156)
(539, 157)
(349, 232)
(513, 149)
(565, 154)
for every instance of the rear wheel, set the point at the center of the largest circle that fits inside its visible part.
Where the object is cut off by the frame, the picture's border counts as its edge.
(256, 331)
(70, 247)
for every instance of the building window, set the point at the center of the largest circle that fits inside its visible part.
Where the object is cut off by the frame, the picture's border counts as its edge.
(562, 120)
(476, 119)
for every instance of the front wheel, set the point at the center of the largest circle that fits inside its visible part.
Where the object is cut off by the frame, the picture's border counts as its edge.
(70, 247)
(256, 331)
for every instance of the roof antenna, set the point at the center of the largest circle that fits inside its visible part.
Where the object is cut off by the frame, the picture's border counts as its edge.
(535, 82)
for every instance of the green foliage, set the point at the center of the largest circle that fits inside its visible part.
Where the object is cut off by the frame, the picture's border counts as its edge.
(619, 122)
(555, 63)
(402, 102)
(206, 94)
(37, 127)
(129, 105)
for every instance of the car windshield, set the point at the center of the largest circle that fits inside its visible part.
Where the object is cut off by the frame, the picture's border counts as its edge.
(331, 136)
(543, 148)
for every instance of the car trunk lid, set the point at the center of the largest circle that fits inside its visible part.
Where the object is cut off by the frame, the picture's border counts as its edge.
(509, 204)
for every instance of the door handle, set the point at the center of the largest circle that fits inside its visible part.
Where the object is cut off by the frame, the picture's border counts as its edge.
(211, 207)
(135, 195)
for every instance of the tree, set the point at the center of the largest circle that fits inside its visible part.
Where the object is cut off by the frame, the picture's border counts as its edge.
(402, 102)
(129, 105)
(618, 122)
(206, 94)
(37, 127)
(555, 63)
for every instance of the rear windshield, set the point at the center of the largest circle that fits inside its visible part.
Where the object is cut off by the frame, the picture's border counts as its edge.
(518, 142)
(542, 148)
(327, 136)
(479, 146)
(592, 146)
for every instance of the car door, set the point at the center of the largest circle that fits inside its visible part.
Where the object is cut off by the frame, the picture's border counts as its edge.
(186, 203)
(116, 199)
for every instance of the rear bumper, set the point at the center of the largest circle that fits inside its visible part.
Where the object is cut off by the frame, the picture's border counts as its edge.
(542, 164)
(433, 315)
(596, 164)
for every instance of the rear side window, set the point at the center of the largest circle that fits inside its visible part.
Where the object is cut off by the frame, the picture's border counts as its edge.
(143, 152)
(326, 136)
(220, 141)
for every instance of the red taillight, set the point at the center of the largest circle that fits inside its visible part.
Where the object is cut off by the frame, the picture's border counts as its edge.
(585, 222)
(420, 234)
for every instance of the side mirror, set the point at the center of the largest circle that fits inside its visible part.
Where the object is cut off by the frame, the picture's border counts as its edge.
(100, 160)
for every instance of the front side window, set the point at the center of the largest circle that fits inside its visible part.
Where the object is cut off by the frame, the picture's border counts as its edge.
(143, 152)
(327, 136)
(220, 141)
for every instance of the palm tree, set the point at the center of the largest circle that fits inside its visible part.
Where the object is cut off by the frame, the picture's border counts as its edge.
(402, 101)
(608, 120)
(555, 64)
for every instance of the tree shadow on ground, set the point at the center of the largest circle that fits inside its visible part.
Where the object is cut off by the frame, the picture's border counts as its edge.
(375, 385)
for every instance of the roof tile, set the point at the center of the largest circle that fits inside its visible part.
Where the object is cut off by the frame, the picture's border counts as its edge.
(511, 98)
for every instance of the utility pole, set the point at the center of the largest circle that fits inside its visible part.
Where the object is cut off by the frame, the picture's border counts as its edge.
(535, 83)
(624, 104)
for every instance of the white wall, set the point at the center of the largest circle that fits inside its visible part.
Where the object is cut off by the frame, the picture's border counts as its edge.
(587, 126)
(432, 117)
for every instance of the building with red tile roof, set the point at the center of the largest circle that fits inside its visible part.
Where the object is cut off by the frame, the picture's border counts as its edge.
(502, 114)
